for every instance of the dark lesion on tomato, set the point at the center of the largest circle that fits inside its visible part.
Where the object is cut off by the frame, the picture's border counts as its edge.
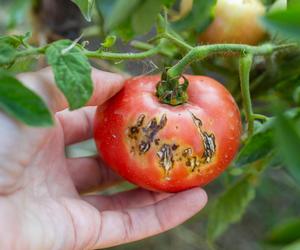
(134, 130)
(209, 141)
(166, 160)
(144, 136)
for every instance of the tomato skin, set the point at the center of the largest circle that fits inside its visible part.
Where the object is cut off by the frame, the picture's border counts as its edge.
(135, 115)
(236, 21)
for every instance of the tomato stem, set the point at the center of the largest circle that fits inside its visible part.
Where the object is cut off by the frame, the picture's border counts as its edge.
(245, 64)
(171, 91)
(201, 52)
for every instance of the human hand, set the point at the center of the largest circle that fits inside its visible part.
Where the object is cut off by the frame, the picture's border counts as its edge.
(40, 202)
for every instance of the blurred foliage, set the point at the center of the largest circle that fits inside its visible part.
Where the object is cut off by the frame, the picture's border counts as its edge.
(261, 188)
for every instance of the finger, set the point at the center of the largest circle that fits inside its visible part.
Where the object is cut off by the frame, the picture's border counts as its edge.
(134, 198)
(119, 227)
(105, 86)
(89, 174)
(77, 125)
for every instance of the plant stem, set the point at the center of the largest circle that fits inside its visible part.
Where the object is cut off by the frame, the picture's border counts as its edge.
(97, 54)
(181, 44)
(244, 69)
(260, 117)
(121, 56)
(201, 52)
(31, 52)
(146, 46)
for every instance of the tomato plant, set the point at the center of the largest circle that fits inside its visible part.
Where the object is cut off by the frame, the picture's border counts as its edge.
(164, 147)
(177, 124)
(235, 21)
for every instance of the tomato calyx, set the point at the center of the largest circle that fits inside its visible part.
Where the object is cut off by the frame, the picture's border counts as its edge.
(171, 91)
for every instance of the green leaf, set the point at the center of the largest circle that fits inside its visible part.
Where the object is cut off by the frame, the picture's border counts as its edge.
(288, 142)
(262, 142)
(122, 10)
(22, 103)
(21, 65)
(284, 233)
(15, 40)
(86, 7)
(144, 17)
(258, 146)
(285, 22)
(72, 72)
(7, 53)
(199, 18)
(12, 40)
(293, 246)
(109, 41)
(230, 206)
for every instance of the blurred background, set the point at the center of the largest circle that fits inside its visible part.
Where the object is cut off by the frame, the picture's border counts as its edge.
(255, 204)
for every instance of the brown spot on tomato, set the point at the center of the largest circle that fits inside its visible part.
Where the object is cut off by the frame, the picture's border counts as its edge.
(144, 146)
(166, 160)
(187, 152)
(156, 141)
(145, 136)
(134, 130)
(209, 143)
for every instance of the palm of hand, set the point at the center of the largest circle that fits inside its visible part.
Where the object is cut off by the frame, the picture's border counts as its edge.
(40, 204)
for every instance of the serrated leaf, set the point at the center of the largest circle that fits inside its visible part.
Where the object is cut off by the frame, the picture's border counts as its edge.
(86, 7)
(199, 18)
(144, 17)
(284, 233)
(14, 40)
(7, 53)
(22, 65)
(121, 11)
(258, 146)
(22, 103)
(230, 206)
(285, 22)
(288, 142)
(72, 72)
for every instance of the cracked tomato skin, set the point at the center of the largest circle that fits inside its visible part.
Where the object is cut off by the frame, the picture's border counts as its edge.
(168, 148)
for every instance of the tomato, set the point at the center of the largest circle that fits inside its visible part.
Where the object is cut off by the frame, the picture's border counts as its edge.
(236, 21)
(168, 148)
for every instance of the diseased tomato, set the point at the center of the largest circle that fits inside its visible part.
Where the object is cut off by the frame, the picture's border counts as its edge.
(168, 148)
(236, 21)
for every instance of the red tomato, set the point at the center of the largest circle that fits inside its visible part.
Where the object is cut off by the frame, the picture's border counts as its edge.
(236, 21)
(168, 148)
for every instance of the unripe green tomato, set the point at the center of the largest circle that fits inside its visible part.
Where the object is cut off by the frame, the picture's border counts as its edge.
(236, 21)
